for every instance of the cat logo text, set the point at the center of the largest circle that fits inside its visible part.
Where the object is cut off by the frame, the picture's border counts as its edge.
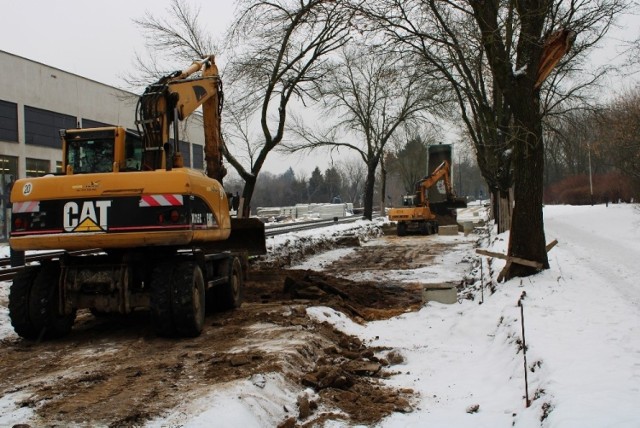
(91, 216)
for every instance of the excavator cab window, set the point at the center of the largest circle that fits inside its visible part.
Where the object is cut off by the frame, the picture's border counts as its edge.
(90, 155)
(408, 200)
(133, 148)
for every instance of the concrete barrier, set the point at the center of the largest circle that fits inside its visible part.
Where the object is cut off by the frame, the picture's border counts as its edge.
(448, 230)
(467, 227)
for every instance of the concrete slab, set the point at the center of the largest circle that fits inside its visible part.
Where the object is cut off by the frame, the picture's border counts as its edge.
(446, 295)
(448, 230)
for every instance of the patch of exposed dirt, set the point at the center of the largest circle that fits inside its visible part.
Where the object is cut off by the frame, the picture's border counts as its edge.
(115, 371)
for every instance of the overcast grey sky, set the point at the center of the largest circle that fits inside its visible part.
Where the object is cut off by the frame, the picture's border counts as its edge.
(98, 40)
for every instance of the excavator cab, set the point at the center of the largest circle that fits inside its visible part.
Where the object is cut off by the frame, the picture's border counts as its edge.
(89, 152)
(409, 200)
(98, 150)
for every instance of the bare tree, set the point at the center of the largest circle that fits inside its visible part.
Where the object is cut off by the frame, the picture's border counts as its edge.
(278, 52)
(353, 175)
(493, 54)
(171, 43)
(411, 161)
(370, 95)
(179, 39)
(619, 135)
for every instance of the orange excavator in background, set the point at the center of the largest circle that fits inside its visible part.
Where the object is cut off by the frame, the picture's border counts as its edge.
(163, 234)
(416, 214)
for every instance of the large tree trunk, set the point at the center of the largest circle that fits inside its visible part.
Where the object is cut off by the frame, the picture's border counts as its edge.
(501, 205)
(368, 190)
(247, 194)
(527, 238)
(383, 187)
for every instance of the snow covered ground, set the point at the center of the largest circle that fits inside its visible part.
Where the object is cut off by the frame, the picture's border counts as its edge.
(582, 331)
(582, 326)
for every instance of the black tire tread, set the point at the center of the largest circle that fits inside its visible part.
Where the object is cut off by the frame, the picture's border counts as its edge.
(161, 280)
(186, 321)
(19, 302)
(172, 294)
(227, 296)
(43, 309)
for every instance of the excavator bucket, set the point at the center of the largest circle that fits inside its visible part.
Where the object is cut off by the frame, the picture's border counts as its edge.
(446, 211)
(247, 234)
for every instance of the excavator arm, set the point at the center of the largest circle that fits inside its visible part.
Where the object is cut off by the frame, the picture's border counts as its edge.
(173, 98)
(441, 172)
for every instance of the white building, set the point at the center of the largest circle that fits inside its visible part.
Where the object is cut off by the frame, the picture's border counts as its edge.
(37, 100)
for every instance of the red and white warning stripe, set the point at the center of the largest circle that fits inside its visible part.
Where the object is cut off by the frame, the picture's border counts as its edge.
(161, 200)
(26, 207)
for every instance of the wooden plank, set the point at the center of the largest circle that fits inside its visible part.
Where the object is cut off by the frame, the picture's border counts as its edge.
(511, 259)
(491, 253)
(518, 260)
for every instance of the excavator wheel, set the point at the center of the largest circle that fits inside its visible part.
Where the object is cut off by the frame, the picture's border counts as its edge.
(425, 228)
(44, 310)
(33, 304)
(19, 302)
(161, 278)
(177, 299)
(228, 296)
(401, 229)
(188, 300)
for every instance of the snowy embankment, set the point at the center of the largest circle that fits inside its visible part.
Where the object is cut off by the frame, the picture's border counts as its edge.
(582, 331)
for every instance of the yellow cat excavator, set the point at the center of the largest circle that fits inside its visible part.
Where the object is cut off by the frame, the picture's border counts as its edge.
(163, 233)
(416, 214)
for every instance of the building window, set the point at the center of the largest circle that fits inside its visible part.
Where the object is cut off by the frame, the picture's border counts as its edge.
(8, 174)
(8, 166)
(42, 127)
(198, 157)
(88, 123)
(8, 121)
(37, 167)
(185, 149)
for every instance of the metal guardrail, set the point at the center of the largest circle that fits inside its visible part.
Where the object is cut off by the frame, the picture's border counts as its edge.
(279, 229)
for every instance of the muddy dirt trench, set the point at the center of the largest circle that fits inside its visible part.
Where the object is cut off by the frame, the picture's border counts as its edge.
(115, 371)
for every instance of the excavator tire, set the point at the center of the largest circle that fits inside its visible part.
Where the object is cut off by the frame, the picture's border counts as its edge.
(228, 296)
(43, 304)
(19, 302)
(177, 299)
(188, 305)
(425, 228)
(401, 229)
(161, 279)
